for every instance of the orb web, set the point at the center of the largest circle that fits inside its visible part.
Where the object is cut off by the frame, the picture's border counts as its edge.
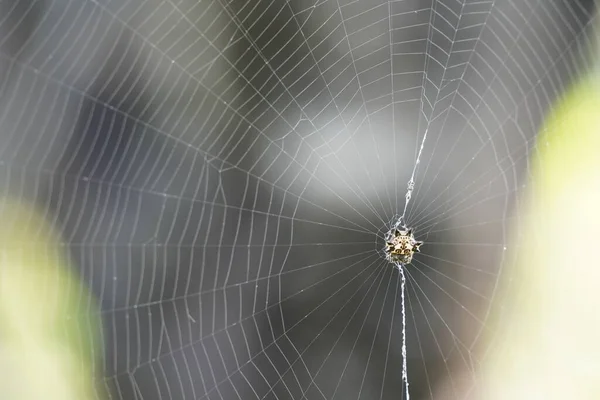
(224, 173)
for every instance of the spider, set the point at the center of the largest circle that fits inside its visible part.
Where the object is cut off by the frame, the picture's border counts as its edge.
(400, 246)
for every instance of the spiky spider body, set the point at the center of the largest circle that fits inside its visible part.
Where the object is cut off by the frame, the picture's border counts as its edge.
(400, 246)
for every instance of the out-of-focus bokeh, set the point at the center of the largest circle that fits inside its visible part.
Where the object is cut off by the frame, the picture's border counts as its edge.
(554, 327)
(221, 175)
(49, 326)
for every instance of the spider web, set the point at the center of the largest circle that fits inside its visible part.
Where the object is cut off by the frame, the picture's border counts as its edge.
(224, 172)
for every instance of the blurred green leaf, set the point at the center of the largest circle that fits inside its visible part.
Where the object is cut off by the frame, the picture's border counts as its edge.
(48, 320)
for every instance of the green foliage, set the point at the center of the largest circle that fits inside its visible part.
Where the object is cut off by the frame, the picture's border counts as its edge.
(48, 321)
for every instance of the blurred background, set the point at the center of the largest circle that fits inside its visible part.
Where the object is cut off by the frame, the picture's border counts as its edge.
(222, 174)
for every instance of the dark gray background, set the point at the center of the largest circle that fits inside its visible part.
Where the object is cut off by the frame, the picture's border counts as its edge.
(221, 171)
